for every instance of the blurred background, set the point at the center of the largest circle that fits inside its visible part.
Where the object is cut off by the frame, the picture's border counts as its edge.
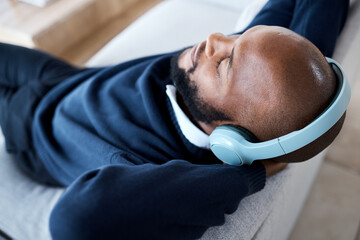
(72, 30)
(76, 30)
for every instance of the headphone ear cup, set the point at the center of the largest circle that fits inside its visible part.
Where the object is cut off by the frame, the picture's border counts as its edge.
(226, 143)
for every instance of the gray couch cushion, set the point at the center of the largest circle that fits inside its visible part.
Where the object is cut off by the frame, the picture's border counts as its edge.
(24, 204)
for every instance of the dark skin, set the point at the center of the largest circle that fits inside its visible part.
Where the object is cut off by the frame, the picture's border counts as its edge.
(269, 80)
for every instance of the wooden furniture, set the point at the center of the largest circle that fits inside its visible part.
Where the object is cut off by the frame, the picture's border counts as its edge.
(59, 25)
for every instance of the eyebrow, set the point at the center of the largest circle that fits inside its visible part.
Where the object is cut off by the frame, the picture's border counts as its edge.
(231, 60)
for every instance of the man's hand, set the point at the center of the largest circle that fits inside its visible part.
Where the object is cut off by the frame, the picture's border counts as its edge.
(273, 167)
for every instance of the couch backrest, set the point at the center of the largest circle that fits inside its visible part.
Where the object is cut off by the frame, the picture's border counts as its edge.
(348, 44)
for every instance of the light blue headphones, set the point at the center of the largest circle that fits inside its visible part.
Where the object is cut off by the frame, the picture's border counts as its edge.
(236, 146)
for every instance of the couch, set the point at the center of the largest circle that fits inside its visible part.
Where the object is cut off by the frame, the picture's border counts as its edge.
(25, 205)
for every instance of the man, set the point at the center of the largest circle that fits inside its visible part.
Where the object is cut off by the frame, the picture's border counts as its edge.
(119, 136)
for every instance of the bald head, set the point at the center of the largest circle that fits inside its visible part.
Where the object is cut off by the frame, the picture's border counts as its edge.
(297, 84)
(268, 80)
(294, 83)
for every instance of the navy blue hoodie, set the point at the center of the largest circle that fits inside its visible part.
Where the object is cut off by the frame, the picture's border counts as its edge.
(111, 135)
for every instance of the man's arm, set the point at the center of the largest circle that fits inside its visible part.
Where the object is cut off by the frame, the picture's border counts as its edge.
(176, 200)
(320, 21)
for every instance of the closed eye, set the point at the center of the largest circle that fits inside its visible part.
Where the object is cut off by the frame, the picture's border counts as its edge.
(230, 61)
(218, 64)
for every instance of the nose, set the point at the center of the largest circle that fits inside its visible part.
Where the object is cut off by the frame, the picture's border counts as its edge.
(218, 43)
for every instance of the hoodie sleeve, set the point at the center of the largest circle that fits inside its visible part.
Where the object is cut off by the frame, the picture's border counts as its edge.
(319, 21)
(176, 200)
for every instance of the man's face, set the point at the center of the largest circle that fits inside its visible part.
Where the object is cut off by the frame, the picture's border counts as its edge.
(209, 67)
(189, 94)
(218, 71)
(251, 79)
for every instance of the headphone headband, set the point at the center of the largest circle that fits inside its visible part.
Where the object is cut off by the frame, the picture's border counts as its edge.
(232, 148)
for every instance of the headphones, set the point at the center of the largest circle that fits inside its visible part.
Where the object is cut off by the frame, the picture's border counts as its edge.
(237, 146)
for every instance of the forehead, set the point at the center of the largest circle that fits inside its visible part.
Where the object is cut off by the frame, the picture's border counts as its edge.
(263, 44)
(257, 64)
(263, 36)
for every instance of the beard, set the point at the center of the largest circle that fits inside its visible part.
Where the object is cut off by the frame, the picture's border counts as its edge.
(189, 92)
